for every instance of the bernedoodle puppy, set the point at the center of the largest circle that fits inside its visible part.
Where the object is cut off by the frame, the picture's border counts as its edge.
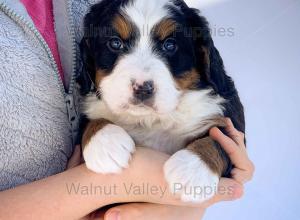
(153, 77)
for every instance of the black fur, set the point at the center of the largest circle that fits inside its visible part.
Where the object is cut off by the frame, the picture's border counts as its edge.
(215, 76)
(97, 32)
(196, 49)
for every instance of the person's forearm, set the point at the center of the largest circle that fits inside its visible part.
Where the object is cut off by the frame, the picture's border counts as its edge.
(77, 192)
(52, 197)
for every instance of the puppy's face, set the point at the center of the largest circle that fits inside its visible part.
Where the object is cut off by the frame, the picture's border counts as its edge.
(143, 55)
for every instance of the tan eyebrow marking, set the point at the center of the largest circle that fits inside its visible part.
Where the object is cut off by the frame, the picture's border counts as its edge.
(122, 26)
(164, 28)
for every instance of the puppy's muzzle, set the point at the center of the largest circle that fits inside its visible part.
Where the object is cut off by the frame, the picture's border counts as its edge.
(143, 92)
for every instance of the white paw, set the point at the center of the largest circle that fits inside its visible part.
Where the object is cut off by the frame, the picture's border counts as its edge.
(190, 178)
(109, 150)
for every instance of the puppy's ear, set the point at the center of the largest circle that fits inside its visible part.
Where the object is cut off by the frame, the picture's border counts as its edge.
(86, 78)
(210, 66)
(209, 61)
(92, 19)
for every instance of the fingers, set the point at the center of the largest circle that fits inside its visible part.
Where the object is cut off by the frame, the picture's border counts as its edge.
(227, 143)
(235, 148)
(235, 135)
(98, 215)
(124, 212)
(76, 159)
(243, 176)
(236, 155)
(147, 211)
(229, 190)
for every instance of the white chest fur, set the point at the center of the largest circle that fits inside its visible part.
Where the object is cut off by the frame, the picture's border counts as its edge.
(168, 132)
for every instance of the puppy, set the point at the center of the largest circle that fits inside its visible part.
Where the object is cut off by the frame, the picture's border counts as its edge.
(153, 77)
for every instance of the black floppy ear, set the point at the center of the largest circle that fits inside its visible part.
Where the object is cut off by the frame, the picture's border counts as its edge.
(86, 78)
(209, 61)
(215, 71)
(211, 67)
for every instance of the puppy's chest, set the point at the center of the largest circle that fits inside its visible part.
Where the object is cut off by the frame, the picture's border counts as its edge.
(162, 140)
(171, 136)
(194, 116)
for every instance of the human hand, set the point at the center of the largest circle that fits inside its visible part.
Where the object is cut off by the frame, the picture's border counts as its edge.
(147, 211)
(76, 158)
(234, 145)
(229, 189)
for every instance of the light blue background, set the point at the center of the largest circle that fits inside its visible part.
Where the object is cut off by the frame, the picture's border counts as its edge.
(263, 57)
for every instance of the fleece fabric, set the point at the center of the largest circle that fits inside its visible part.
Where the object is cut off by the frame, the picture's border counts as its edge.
(36, 130)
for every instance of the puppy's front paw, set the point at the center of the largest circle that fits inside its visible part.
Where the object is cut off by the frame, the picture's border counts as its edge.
(190, 178)
(109, 150)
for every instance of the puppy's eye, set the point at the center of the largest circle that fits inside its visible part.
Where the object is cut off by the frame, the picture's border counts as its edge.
(170, 45)
(115, 44)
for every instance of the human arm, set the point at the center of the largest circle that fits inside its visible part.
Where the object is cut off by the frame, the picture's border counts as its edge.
(50, 199)
(243, 172)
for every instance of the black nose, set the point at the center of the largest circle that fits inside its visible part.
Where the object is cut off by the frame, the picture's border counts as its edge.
(143, 92)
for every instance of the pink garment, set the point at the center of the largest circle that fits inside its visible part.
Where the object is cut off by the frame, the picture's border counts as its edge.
(41, 12)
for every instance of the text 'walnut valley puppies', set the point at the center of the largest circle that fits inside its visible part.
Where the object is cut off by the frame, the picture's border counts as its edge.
(159, 83)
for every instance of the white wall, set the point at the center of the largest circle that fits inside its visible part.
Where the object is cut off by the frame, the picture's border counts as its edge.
(263, 57)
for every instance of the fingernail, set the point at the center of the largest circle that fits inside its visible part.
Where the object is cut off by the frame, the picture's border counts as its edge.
(237, 192)
(113, 215)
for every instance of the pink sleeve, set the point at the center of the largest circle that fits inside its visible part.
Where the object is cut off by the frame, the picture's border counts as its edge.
(41, 13)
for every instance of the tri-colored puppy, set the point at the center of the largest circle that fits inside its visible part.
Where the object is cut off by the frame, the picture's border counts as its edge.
(159, 83)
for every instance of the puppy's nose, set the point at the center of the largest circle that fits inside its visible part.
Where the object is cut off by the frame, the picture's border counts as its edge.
(144, 91)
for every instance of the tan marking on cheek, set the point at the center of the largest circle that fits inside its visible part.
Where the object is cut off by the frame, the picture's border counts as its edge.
(122, 26)
(188, 80)
(165, 28)
(100, 75)
(92, 128)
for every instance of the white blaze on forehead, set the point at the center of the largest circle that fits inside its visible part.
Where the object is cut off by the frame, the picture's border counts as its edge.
(141, 65)
(145, 14)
